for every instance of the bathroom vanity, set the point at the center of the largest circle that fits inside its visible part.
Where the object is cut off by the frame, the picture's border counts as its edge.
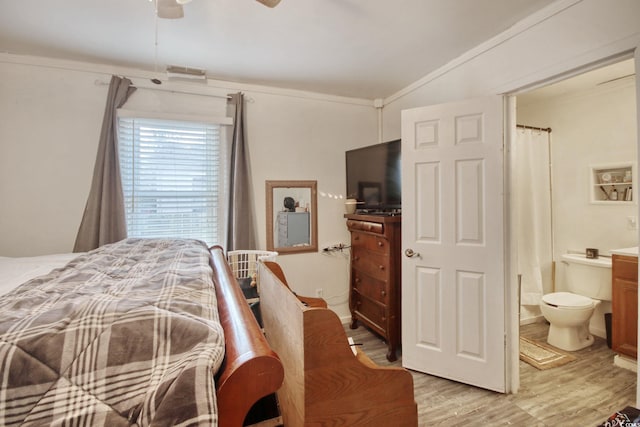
(624, 282)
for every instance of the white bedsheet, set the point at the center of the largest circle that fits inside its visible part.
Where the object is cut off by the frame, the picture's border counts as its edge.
(16, 271)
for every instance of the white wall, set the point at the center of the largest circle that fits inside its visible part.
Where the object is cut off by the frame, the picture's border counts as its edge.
(589, 128)
(295, 138)
(51, 117)
(567, 35)
(48, 140)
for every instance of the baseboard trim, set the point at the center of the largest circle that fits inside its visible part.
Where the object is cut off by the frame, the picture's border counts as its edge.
(530, 320)
(625, 362)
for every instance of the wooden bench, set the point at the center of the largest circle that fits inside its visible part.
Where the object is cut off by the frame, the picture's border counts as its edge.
(325, 383)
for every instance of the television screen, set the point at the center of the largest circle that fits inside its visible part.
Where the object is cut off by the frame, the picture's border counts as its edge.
(373, 176)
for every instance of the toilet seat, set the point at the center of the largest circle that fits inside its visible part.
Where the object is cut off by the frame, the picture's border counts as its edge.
(567, 300)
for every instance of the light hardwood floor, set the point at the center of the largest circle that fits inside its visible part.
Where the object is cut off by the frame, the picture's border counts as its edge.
(583, 393)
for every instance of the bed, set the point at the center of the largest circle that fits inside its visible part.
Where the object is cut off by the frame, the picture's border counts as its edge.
(140, 332)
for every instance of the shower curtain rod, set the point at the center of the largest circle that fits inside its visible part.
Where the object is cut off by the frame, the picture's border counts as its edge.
(534, 128)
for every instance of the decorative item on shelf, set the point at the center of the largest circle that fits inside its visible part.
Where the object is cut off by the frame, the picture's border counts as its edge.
(592, 253)
(613, 195)
(605, 178)
(350, 206)
(606, 195)
(628, 194)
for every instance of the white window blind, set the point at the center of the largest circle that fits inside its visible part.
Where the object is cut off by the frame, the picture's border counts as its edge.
(171, 177)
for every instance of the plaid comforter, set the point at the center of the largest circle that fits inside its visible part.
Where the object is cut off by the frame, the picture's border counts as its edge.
(127, 334)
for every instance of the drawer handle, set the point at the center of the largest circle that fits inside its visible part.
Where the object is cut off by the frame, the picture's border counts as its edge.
(358, 280)
(356, 237)
(356, 258)
(381, 244)
(383, 293)
(381, 267)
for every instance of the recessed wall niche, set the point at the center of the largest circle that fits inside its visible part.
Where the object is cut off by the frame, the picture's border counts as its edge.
(613, 183)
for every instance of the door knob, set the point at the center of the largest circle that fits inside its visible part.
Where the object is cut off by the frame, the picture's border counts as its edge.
(409, 253)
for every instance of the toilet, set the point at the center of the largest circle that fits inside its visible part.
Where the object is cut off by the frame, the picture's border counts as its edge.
(589, 283)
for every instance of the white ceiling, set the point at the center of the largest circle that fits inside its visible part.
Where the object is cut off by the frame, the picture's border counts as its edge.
(359, 48)
(615, 73)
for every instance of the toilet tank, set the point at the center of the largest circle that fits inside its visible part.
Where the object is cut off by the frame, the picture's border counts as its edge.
(590, 277)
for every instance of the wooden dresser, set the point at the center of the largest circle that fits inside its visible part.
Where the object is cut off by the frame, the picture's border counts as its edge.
(375, 280)
(624, 339)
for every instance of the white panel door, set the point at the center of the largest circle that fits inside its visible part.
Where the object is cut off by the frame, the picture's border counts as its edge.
(453, 288)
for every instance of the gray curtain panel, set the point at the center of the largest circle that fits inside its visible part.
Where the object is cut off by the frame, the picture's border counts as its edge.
(104, 220)
(241, 229)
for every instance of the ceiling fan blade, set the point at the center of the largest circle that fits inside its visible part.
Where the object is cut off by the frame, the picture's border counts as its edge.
(169, 9)
(269, 3)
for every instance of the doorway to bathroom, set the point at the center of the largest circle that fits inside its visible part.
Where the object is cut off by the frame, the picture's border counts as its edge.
(567, 131)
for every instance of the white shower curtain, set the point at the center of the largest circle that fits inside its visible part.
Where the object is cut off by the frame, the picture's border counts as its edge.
(533, 207)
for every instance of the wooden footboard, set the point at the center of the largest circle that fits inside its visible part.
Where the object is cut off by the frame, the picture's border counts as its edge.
(325, 383)
(251, 369)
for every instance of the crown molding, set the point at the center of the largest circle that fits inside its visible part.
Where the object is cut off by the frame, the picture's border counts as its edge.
(197, 88)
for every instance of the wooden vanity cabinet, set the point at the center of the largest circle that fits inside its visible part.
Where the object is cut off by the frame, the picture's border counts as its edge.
(624, 328)
(375, 291)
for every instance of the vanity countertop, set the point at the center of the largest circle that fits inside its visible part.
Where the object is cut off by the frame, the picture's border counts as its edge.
(625, 251)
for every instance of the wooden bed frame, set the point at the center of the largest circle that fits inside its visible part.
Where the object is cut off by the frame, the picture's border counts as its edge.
(251, 369)
(325, 383)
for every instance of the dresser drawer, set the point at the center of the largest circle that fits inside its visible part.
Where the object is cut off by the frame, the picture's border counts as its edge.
(371, 227)
(371, 311)
(372, 264)
(370, 287)
(370, 242)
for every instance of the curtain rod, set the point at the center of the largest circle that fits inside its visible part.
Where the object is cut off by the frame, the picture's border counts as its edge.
(101, 83)
(534, 128)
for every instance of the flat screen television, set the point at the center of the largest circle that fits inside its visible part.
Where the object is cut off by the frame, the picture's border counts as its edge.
(373, 177)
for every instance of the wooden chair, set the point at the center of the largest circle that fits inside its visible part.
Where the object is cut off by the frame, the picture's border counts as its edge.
(308, 301)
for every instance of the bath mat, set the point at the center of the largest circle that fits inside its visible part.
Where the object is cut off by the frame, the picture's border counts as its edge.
(542, 356)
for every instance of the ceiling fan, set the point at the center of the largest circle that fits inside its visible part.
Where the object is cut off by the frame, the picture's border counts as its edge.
(172, 9)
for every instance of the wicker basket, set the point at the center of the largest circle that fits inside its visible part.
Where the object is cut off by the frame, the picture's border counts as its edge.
(244, 263)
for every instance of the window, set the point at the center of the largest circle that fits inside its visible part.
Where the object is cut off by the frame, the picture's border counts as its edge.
(171, 178)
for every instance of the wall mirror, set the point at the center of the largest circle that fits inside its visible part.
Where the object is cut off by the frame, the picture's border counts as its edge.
(292, 224)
